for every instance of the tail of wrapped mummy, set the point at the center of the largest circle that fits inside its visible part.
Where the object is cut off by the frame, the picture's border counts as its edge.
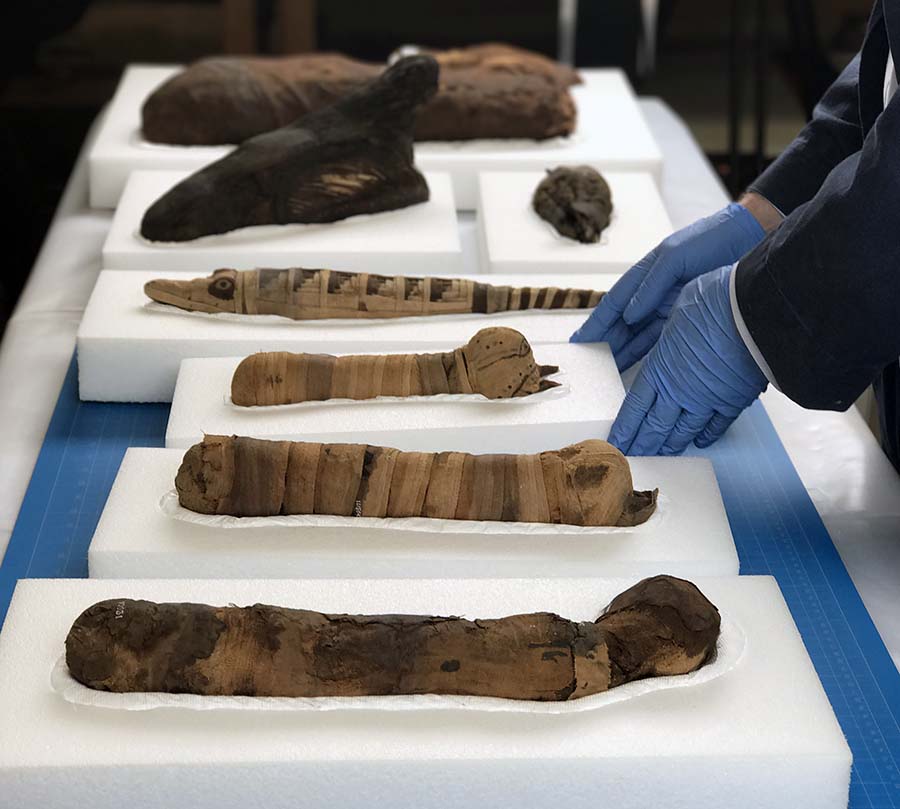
(489, 299)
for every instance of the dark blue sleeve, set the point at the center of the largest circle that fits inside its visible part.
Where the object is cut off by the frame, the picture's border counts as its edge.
(821, 295)
(833, 134)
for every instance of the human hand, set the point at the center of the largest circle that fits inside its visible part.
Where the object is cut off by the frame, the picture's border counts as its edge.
(631, 316)
(695, 381)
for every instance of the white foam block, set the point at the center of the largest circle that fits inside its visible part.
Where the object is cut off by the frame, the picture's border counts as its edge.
(611, 132)
(689, 536)
(592, 398)
(128, 353)
(762, 736)
(413, 240)
(514, 239)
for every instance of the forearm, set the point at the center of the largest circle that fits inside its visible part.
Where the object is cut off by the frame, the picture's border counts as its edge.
(833, 134)
(768, 216)
(821, 295)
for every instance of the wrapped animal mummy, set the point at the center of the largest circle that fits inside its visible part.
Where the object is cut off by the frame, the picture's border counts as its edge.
(496, 363)
(355, 157)
(576, 200)
(660, 627)
(588, 483)
(302, 294)
(486, 91)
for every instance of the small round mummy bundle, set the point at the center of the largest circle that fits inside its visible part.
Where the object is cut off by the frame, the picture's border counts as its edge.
(588, 483)
(659, 627)
(497, 363)
(576, 200)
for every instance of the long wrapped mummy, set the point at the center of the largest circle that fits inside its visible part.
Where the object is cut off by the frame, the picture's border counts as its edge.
(588, 483)
(496, 363)
(660, 627)
(486, 91)
(307, 294)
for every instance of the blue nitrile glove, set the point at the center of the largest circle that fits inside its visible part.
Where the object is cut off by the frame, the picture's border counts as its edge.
(695, 381)
(630, 317)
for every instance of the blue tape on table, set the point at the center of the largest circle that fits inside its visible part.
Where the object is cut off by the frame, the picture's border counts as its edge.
(776, 529)
(74, 472)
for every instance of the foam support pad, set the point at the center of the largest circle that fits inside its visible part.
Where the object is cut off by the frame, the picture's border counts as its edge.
(688, 536)
(585, 409)
(391, 242)
(761, 736)
(129, 353)
(512, 238)
(604, 96)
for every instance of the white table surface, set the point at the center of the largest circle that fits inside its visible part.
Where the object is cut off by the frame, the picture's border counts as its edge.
(854, 487)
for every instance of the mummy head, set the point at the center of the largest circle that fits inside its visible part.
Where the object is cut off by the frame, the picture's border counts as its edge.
(500, 364)
(215, 293)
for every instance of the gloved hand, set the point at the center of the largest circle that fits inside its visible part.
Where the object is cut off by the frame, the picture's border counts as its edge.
(631, 316)
(695, 381)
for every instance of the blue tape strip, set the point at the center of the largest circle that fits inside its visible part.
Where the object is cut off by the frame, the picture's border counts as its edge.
(74, 472)
(776, 529)
(778, 532)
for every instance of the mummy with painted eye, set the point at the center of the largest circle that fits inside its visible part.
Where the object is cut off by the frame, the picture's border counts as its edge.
(222, 288)
(311, 294)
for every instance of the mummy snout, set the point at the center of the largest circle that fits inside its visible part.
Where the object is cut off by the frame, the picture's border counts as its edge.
(175, 293)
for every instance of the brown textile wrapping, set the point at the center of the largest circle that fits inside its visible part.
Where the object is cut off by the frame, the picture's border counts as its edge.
(588, 483)
(497, 363)
(354, 157)
(660, 627)
(486, 91)
(576, 201)
(306, 294)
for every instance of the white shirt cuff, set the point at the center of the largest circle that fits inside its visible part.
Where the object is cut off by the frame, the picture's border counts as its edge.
(744, 332)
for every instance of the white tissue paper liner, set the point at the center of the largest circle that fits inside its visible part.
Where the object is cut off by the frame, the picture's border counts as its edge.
(730, 649)
(154, 307)
(169, 505)
(560, 391)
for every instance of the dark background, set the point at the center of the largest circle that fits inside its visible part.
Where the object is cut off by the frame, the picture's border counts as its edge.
(61, 60)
